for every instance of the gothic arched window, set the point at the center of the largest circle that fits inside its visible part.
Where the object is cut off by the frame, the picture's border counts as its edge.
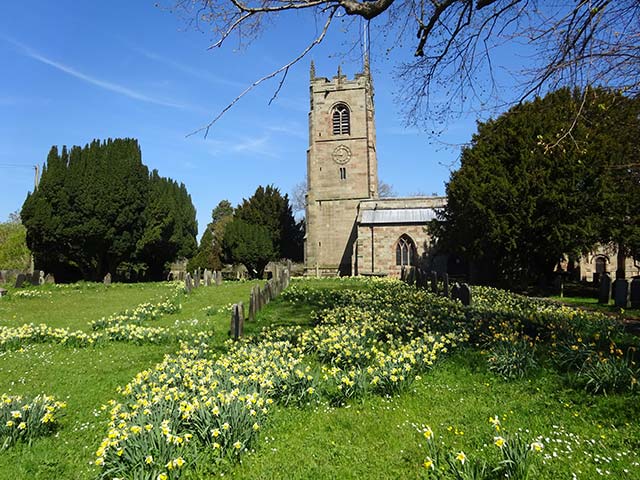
(406, 253)
(341, 120)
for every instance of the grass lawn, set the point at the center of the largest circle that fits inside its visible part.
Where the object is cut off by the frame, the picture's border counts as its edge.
(592, 304)
(374, 436)
(86, 378)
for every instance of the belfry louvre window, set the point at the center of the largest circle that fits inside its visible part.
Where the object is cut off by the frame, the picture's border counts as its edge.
(343, 173)
(405, 251)
(341, 121)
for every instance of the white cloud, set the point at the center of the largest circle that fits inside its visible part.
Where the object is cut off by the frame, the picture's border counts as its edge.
(195, 72)
(105, 85)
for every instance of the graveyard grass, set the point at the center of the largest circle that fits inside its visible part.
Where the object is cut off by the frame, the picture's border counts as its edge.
(371, 437)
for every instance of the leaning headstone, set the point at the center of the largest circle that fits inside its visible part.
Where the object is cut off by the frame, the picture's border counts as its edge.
(465, 294)
(621, 290)
(634, 293)
(41, 278)
(196, 279)
(445, 284)
(107, 279)
(3, 292)
(187, 283)
(49, 279)
(604, 293)
(237, 321)
(455, 291)
(434, 282)
(20, 279)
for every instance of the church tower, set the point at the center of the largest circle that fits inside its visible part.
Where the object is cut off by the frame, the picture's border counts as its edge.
(342, 169)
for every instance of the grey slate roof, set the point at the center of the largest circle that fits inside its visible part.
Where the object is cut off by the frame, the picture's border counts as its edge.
(397, 215)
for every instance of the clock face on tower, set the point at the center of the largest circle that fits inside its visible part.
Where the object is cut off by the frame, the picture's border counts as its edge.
(341, 155)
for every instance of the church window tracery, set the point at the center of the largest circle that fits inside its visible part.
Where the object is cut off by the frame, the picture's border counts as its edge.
(406, 253)
(341, 120)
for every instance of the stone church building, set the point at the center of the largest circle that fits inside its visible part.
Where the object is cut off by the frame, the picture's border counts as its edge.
(350, 230)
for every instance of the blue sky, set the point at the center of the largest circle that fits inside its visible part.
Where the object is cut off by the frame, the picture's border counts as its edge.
(74, 71)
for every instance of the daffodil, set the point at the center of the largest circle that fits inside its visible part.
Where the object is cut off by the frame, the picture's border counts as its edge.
(461, 457)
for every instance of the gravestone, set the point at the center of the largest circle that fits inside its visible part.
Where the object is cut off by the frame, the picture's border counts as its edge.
(634, 294)
(252, 306)
(34, 278)
(41, 278)
(434, 282)
(465, 294)
(621, 291)
(558, 286)
(604, 293)
(218, 278)
(2, 277)
(196, 279)
(49, 279)
(187, 282)
(3, 292)
(207, 280)
(445, 284)
(20, 279)
(455, 291)
(107, 279)
(237, 321)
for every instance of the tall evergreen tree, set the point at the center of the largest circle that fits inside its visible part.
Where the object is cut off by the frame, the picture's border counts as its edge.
(521, 199)
(267, 207)
(98, 210)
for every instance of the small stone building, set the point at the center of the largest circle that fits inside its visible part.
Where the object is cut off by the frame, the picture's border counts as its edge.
(350, 230)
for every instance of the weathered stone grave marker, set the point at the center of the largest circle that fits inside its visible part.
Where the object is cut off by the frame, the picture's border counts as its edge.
(237, 321)
(50, 279)
(434, 282)
(621, 291)
(187, 283)
(445, 283)
(634, 294)
(465, 294)
(20, 279)
(107, 279)
(604, 293)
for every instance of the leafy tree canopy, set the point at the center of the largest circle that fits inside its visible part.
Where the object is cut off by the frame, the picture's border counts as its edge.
(522, 197)
(267, 207)
(14, 254)
(249, 244)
